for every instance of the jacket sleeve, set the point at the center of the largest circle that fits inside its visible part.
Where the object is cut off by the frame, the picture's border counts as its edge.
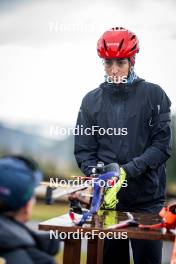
(16, 256)
(44, 243)
(85, 145)
(160, 149)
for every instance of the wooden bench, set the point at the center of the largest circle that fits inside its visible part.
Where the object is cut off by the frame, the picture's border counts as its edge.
(100, 223)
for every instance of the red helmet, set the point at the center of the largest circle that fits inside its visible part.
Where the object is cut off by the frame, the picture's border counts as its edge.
(118, 42)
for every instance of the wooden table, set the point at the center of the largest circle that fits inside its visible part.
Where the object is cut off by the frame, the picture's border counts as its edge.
(101, 222)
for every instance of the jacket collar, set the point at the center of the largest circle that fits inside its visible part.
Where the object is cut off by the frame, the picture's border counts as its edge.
(121, 88)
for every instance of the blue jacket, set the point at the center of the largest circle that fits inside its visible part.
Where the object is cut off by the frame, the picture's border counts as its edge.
(140, 116)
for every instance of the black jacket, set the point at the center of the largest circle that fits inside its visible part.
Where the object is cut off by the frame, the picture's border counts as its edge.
(18, 244)
(142, 111)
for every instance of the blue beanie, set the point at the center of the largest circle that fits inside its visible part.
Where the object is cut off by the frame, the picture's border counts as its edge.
(18, 178)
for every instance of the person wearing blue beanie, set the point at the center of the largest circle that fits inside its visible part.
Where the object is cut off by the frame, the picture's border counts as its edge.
(19, 176)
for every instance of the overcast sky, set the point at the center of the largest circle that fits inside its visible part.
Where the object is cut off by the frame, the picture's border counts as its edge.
(48, 59)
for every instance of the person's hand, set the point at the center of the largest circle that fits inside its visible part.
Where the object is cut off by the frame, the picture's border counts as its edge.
(110, 199)
(81, 196)
(2, 261)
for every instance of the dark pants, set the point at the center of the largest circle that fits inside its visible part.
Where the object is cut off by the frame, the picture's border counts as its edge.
(116, 251)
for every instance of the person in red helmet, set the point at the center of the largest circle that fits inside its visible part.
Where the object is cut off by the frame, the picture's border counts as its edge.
(118, 43)
(130, 123)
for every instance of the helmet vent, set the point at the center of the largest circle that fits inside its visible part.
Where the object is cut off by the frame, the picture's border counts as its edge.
(105, 45)
(133, 37)
(134, 47)
(121, 43)
(118, 29)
